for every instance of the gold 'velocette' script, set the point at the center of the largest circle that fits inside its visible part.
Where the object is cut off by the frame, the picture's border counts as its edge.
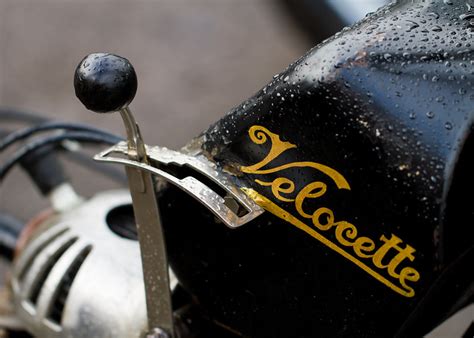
(385, 260)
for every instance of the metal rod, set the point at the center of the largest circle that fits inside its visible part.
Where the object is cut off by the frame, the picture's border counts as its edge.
(150, 233)
(136, 146)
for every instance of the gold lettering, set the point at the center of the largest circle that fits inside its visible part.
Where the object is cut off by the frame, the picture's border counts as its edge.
(312, 190)
(411, 275)
(384, 249)
(329, 219)
(258, 135)
(403, 253)
(364, 245)
(277, 188)
(347, 229)
(323, 219)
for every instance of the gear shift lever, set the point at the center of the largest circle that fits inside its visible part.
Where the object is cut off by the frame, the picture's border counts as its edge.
(106, 83)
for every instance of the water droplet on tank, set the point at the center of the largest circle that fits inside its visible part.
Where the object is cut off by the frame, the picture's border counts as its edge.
(430, 114)
(448, 125)
(412, 25)
(466, 16)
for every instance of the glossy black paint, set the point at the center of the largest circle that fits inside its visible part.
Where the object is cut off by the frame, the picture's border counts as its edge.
(389, 103)
(105, 82)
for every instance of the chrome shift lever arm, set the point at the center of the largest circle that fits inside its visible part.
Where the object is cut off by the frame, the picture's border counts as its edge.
(108, 83)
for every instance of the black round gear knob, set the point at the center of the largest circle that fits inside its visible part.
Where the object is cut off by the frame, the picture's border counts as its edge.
(105, 82)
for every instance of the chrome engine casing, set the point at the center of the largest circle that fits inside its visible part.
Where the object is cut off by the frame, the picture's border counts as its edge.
(78, 278)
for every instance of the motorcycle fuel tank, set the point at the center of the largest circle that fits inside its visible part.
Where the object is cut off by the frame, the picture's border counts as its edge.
(360, 153)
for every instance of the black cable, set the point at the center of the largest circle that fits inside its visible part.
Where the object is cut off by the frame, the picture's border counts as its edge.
(85, 137)
(27, 132)
(14, 115)
(81, 159)
(43, 167)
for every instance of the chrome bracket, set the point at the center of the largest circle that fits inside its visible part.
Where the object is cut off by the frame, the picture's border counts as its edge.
(230, 204)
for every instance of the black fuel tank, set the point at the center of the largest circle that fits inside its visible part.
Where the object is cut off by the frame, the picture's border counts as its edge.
(361, 154)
